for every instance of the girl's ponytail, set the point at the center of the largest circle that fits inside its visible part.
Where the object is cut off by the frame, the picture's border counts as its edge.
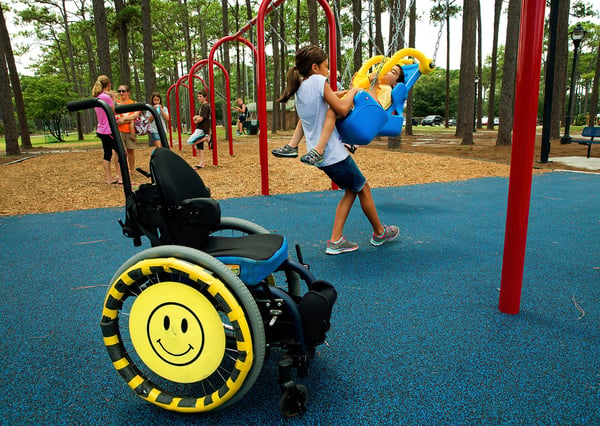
(100, 84)
(293, 79)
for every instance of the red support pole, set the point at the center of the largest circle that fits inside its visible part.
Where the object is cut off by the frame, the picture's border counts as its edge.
(211, 76)
(531, 36)
(261, 77)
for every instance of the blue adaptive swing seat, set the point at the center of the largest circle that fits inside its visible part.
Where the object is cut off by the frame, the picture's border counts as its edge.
(368, 119)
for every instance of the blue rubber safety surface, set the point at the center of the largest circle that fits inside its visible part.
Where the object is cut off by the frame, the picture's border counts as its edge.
(416, 338)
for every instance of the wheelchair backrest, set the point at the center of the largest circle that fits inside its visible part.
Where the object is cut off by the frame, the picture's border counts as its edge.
(176, 208)
(175, 178)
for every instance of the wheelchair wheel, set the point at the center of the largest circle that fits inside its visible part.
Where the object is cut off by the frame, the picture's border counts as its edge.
(182, 330)
(235, 227)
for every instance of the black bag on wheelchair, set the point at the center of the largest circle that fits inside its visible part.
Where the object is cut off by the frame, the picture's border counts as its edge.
(315, 308)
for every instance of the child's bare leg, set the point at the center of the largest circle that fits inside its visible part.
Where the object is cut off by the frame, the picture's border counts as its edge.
(368, 207)
(341, 214)
(327, 130)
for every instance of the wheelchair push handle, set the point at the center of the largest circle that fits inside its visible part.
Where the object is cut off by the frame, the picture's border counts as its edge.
(82, 104)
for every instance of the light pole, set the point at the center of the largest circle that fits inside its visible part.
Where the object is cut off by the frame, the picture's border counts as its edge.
(576, 35)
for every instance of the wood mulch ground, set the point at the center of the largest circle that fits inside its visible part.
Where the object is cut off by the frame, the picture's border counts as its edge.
(51, 180)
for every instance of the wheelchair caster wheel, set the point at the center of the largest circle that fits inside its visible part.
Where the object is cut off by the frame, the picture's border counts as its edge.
(293, 401)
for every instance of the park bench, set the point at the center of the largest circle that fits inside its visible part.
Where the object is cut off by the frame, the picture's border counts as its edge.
(591, 133)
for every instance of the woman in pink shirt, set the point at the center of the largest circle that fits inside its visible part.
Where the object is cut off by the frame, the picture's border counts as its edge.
(101, 90)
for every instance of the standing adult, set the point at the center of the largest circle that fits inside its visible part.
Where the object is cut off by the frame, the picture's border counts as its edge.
(202, 133)
(156, 102)
(242, 110)
(126, 127)
(101, 90)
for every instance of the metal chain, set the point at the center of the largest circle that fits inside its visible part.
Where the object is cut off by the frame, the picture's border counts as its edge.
(437, 43)
(400, 31)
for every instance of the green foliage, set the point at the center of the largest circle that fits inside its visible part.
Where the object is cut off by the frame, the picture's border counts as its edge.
(580, 120)
(45, 100)
(429, 94)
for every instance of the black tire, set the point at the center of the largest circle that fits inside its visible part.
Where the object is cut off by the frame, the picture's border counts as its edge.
(293, 401)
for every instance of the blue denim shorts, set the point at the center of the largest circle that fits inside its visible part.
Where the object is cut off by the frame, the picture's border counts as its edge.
(346, 175)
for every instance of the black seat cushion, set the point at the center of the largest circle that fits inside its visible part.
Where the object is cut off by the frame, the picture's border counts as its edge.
(252, 257)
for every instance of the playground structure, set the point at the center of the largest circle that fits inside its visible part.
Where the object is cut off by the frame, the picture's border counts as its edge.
(529, 60)
(175, 264)
(526, 100)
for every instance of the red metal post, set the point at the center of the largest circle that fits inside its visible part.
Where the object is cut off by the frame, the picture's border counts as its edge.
(210, 88)
(261, 78)
(531, 36)
(211, 83)
(178, 107)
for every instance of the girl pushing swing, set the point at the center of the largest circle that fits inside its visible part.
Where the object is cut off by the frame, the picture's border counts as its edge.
(307, 80)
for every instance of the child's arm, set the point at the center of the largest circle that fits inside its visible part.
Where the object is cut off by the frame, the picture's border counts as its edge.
(340, 106)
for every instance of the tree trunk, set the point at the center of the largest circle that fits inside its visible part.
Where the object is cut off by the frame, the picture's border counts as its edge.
(225, 20)
(11, 136)
(447, 111)
(102, 39)
(594, 97)
(467, 75)
(15, 82)
(379, 47)
(185, 24)
(149, 74)
(509, 78)
(313, 25)
(338, 35)
(123, 42)
(408, 129)
(479, 107)
(283, 67)
(396, 36)
(275, 91)
(494, 67)
(560, 69)
(356, 33)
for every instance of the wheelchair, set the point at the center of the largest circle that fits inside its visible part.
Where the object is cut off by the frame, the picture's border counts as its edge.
(189, 322)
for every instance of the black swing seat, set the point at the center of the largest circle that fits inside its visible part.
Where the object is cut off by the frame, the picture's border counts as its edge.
(177, 209)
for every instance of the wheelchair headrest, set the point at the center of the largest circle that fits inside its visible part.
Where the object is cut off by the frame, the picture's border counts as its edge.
(175, 178)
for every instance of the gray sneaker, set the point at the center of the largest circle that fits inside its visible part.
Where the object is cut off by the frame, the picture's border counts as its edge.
(285, 151)
(389, 233)
(342, 246)
(312, 157)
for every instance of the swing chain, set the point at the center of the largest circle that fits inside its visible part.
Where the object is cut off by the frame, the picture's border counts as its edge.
(437, 43)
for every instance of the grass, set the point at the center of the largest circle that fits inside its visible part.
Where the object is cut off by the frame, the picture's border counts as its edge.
(90, 140)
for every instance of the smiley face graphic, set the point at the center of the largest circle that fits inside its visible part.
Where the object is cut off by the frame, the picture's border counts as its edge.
(177, 332)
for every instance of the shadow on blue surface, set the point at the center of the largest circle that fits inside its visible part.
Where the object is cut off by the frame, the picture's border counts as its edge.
(416, 334)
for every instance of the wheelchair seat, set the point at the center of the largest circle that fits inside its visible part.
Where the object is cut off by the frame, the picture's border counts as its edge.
(187, 215)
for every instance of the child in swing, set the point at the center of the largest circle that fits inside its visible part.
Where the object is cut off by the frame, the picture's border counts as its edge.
(307, 80)
(380, 90)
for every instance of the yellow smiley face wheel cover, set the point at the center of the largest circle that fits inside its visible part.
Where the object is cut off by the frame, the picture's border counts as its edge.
(178, 332)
